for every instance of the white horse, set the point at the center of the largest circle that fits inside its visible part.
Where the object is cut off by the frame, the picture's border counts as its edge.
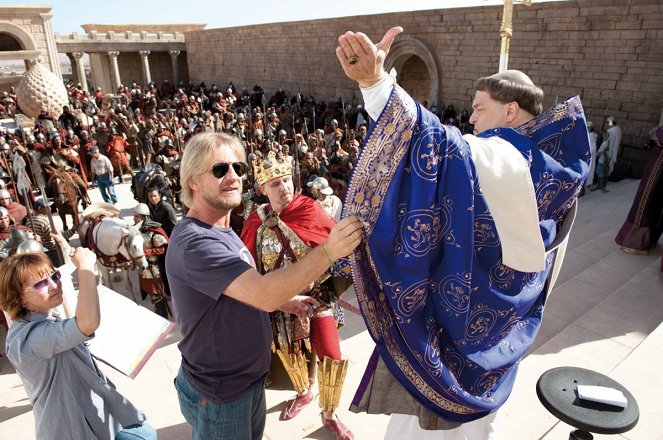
(118, 245)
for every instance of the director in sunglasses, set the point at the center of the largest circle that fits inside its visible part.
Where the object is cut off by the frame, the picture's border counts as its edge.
(221, 302)
(70, 396)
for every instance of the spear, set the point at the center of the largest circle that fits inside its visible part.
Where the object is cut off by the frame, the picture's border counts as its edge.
(298, 175)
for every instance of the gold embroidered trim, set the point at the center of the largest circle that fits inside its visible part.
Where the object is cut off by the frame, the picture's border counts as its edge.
(373, 174)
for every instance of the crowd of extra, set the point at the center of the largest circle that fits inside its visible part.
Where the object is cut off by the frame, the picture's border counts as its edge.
(139, 125)
(142, 125)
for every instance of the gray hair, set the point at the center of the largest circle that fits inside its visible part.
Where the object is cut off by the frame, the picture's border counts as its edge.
(196, 159)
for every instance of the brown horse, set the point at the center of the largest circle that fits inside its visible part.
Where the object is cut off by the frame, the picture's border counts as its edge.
(64, 190)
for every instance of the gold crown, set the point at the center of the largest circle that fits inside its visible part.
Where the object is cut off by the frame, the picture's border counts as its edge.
(271, 168)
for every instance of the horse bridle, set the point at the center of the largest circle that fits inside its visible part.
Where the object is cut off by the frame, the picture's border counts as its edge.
(64, 186)
(123, 242)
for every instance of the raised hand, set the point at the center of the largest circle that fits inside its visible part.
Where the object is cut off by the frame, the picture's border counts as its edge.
(83, 258)
(363, 61)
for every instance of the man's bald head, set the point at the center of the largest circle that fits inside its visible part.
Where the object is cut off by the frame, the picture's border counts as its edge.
(513, 86)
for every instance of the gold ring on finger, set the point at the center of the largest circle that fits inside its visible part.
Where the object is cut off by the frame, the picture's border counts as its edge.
(352, 59)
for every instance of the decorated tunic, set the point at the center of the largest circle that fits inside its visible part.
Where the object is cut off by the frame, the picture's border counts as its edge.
(302, 225)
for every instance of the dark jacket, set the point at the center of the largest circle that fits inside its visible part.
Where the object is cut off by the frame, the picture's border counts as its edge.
(165, 214)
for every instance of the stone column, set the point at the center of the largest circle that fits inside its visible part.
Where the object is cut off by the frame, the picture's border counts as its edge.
(115, 69)
(173, 58)
(80, 68)
(147, 78)
(51, 46)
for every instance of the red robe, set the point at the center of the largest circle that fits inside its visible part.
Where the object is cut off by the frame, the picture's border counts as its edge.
(303, 215)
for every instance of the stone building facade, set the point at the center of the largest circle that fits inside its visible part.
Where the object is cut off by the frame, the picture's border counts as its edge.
(26, 34)
(122, 54)
(608, 51)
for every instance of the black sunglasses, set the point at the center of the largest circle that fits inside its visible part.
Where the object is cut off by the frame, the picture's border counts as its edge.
(221, 169)
(43, 284)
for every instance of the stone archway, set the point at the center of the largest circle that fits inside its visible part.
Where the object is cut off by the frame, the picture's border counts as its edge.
(19, 35)
(416, 69)
(8, 43)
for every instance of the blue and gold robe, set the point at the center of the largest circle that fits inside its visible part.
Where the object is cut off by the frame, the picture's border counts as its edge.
(450, 320)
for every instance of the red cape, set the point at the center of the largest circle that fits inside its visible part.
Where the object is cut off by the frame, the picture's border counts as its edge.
(303, 215)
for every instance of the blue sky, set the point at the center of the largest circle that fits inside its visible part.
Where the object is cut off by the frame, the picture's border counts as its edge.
(69, 15)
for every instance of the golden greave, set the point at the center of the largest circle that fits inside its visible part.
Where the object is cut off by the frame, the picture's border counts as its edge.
(331, 376)
(295, 366)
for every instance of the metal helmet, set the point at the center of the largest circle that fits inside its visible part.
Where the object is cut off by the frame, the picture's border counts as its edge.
(30, 247)
(321, 185)
(4, 194)
(16, 237)
(142, 209)
(3, 212)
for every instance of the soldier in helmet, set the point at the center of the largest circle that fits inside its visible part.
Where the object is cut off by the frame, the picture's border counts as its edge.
(11, 235)
(5, 223)
(15, 237)
(67, 119)
(325, 195)
(16, 211)
(155, 244)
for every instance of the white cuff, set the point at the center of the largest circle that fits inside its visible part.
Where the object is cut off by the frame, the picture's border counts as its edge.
(376, 96)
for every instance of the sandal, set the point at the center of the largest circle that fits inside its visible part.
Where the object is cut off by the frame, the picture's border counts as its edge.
(290, 411)
(335, 426)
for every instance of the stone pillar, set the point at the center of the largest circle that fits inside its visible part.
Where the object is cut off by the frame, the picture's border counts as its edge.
(147, 78)
(51, 46)
(173, 58)
(115, 69)
(80, 69)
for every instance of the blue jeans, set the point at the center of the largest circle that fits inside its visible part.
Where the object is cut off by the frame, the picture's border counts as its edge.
(137, 432)
(241, 419)
(107, 188)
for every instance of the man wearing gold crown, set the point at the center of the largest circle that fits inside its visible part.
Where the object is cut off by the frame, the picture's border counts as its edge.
(279, 234)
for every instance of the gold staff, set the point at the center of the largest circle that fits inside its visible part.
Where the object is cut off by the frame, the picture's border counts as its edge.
(506, 30)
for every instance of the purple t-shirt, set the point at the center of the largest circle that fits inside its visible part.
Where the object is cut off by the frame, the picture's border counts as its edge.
(225, 343)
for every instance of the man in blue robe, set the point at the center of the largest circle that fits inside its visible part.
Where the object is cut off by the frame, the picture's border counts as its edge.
(465, 236)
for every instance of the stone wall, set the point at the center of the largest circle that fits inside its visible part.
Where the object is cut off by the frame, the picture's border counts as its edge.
(608, 51)
(28, 25)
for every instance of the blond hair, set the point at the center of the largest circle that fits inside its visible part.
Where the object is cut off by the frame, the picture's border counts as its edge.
(196, 159)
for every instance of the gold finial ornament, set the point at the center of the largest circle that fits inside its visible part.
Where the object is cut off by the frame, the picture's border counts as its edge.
(41, 89)
(271, 168)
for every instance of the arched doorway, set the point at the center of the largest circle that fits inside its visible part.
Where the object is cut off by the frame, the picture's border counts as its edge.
(413, 76)
(416, 69)
(9, 43)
